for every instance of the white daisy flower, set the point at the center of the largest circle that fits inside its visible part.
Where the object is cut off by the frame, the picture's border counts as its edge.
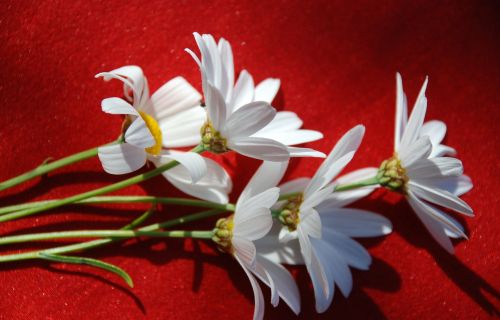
(420, 172)
(316, 230)
(217, 69)
(251, 221)
(170, 118)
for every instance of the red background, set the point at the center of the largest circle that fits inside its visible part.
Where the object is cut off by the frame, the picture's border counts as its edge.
(337, 62)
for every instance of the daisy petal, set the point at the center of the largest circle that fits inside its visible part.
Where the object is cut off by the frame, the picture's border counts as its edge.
(311, 201)
(434, 227)
(321, 277)
(216, 107)
(401, 111)
(296, 185)
(277, 251)
(254, 224)
(244, 249)
(457, 185)
(138, 134)
(243, 92)
(338, 158)
(350, 251)
(193, 162)
(267, 90)
(344, 198)
(435, 130)
(442, 150)
(412, 130)
(175, 96)
(260, 148)
(121, 158)
(284, 121)
(441, 197)
(267, 176)
(283, 282)
(355, 222)
(258, 313)
(420, 149)
(310, 223)
(117, 106)
(249, 119)
(435, 168)
(305, 152)
(226, 54)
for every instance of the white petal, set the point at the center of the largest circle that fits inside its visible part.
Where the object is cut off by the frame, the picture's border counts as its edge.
(183, 129)
(322, 277)
(249, 119)
(401, 111)
(267, 90)
(280, 281)
(435, 130)
(175, 96)
(286, 235)
(279, 252)
(244, 249)
(435, 168)
(216, 107)
(305, 152)
(442, 150)
(243, 92)
(310, 223)
(355, 222)
(193, 162)
(314, 199)
(258, 313)
(457, 185)
(412, 130)
(267, 176)
(296, 185)
(331, 259)
(351, 251)
(344, 198)
(434, 227)
(133, 79)
(260, 148)
(420, 149)
(138, 134)
(289, 137)
(441, 197)
(226, 55)
(284, 121)
(121, 158)
(338, 158)
(117, 106)
(252, 224)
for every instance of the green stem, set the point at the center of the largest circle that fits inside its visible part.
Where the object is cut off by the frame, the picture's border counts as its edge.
(123, 199)
(355, 185)
(48, 167)
(89, 194)
(101, 242)
(104, 234)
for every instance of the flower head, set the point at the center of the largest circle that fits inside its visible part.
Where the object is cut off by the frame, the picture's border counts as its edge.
(169, 118)
(315, 228)
(419, 170)
(240, 116)
(251, 221)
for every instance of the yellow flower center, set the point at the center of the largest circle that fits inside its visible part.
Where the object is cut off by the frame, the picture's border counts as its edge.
(392, 175)
(212, 139)
(290, 214)
(223, 233)
(155, 130)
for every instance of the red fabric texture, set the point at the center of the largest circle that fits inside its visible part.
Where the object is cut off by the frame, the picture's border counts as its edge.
(337, 62)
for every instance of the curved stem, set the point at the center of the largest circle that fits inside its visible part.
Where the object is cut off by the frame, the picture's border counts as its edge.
(45, 168)
(355, 185)
(105, 234)
(124, 199)
(89, 194)
(101, 242)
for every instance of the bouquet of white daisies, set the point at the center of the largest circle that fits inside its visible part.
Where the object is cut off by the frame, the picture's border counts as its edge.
(273, 223)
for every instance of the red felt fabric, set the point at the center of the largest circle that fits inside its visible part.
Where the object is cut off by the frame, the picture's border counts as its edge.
(337, 62)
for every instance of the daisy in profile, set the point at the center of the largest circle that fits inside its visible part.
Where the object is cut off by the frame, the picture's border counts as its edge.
(279, 131)
(419, 170)
(170, 118)
(314, 229)
(251, 221)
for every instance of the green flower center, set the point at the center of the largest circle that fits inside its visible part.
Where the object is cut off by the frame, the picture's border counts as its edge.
(212, 139)
(223, 233)
(392, 175)
(290, 214)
